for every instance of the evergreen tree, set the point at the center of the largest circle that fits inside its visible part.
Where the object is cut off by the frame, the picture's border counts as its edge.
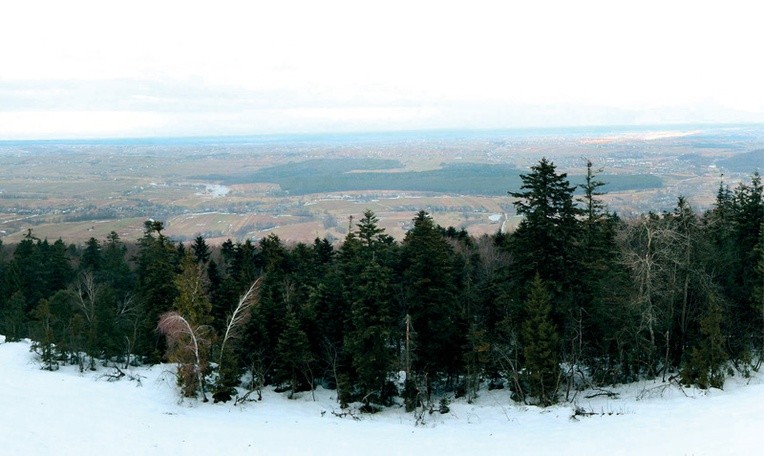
(539, 338)
(431, 300)
(706, 364)
(156, 269)
(43, 334)
(91, 255)
(115, 270)
(368, 343)
(60, 271)
(293, 358)
(599, 269)
(200, 250)
(546, 241)
(13, 321)
(25, 271)
(734, 226)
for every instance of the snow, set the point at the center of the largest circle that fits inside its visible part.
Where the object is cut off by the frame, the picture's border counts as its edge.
(68, 412)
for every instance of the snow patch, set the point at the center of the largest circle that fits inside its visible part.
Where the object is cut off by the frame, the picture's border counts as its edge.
(68, 412)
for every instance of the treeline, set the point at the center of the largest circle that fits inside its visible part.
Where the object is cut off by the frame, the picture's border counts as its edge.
(574, 297)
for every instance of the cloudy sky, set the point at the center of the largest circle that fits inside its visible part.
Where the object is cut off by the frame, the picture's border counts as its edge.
(81, 68)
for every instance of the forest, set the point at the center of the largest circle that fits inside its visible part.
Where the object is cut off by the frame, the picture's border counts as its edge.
(575, 297)
(345, 175)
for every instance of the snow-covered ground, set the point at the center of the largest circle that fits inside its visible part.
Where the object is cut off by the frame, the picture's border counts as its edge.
(66, 412)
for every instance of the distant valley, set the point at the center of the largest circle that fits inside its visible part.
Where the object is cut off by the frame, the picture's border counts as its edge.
(303, 187)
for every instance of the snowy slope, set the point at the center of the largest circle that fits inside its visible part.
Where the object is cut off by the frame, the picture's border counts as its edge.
(66, 412)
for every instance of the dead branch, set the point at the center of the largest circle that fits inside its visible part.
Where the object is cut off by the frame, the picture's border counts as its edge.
(347, 413)
(239, 316)
(602, 392)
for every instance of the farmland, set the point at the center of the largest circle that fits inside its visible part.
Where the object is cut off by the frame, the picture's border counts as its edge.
(303, 187)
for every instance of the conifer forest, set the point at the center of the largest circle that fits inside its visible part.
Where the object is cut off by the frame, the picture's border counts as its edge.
(575, 297)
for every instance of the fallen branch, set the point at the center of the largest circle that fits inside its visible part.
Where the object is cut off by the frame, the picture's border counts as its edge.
(114, 375)
(344, 414)
(602, 392)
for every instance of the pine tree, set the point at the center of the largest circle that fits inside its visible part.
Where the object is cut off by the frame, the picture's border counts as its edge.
(115, 271)
(200, 250)
(431, 299)
(13, 321)
(599, 269)
(293, 357)
(546, 241)
(736, 224)
(368, 343)
(43, 334)
(91, 256)
(539, 338)
(156, 269)
(25, 271)
(706, 365)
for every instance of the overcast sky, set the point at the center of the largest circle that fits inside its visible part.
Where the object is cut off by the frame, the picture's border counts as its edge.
(79, 68)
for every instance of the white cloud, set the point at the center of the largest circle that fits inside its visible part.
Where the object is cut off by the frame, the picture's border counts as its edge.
(340, 59)
(78, 124)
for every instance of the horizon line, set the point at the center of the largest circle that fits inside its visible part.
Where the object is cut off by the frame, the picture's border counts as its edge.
(328, 134)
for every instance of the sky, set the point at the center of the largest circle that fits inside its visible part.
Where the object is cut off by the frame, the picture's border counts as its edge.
(84, 69)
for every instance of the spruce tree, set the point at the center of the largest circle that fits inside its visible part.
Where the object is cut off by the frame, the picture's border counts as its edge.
(293, 358)
(706, 364)
(91, 256)
(370, 292)
(539, 338)
(547, 240)
(13, 321)
(431, 300)
(200, 250)
(156, 269)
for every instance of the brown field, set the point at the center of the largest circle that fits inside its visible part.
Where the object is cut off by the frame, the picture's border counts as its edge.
(77, 192)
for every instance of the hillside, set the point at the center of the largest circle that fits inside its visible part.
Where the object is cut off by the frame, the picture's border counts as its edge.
(66, 412)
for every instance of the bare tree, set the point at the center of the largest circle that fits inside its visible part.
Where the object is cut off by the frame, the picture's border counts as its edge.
(240, 316)
(228, 373)
(647, 250)
(189, 348)
(85, 294)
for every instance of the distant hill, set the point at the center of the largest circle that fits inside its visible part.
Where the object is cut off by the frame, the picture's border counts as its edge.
(746, 162)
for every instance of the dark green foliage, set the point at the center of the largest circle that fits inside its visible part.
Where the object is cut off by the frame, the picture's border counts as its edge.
(13, 320)
(115, 270)
(44, 335)
(610, 300)
(156, 268)
(546, 243)
(539, 339)
(334, 175)
(706, 364)
(368, 344)
(545, 239)
(431, 299)
(734, 227)
(91, 256)
(293, 357)
(200, 250)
